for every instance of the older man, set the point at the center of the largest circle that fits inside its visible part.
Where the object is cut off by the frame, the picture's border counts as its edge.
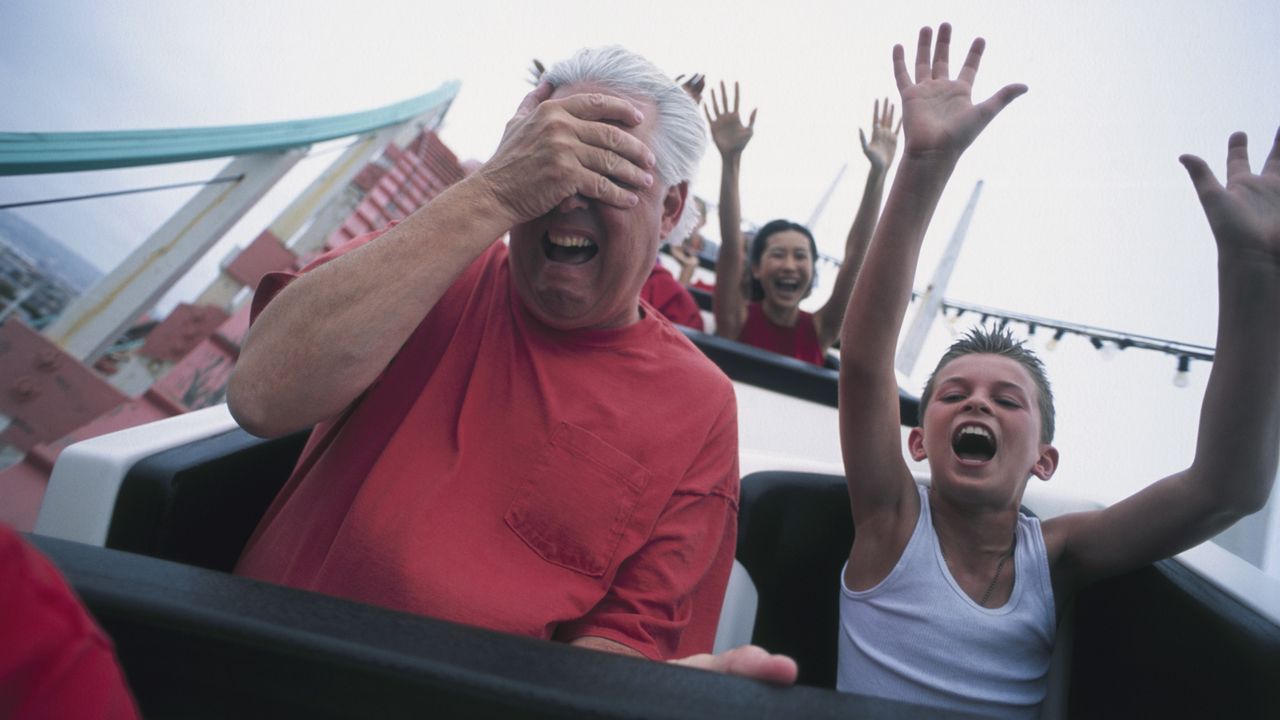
(504, 438)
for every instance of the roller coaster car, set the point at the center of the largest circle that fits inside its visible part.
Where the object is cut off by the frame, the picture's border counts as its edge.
(159, 513)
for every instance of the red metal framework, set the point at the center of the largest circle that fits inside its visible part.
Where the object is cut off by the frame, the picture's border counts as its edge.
(54, 400)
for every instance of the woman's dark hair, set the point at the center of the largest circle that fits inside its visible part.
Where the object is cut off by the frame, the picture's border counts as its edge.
(761, 241)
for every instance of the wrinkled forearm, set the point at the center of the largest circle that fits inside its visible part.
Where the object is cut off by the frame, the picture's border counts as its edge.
(328, 335)
(605, 645)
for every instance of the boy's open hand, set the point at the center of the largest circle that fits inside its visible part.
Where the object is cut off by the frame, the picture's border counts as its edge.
(1244, 215)
(884, 136)
(937, 112)
(727, 130)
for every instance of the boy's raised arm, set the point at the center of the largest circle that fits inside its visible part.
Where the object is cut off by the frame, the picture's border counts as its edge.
(1239, 437)
(939, 120)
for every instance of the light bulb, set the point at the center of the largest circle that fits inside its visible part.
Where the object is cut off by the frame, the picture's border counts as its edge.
(1182, 377)
(1053, 341)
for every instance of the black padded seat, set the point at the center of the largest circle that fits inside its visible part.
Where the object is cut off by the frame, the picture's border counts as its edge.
(197, 643)
(1163, 642)
(198, 503)
(794, 535)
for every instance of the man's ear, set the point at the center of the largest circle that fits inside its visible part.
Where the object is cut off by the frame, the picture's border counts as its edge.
(915, 444)
(1047, 463)
(672, 206)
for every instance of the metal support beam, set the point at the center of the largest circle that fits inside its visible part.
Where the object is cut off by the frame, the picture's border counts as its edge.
(43, 152)
(344, 196)
(89, 325)
(324, 191)
(826, 197)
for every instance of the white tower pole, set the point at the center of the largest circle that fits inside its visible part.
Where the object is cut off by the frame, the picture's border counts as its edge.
(96, 318)
(822, 204)
(931, 301)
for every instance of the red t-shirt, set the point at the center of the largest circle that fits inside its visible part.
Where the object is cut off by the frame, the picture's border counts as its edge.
(507, 475)
(799, 341)
(54, 660)
(665, 293)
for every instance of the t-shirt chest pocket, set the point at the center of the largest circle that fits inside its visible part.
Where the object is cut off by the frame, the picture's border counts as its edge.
(577, 500)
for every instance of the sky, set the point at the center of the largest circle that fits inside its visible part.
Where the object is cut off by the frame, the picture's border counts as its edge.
(1085, 216)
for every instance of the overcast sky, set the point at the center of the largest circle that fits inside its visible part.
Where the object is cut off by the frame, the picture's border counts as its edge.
(1086, 216)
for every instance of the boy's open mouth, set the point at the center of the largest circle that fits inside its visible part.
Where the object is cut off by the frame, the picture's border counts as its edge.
(974, 443)
(568, 249)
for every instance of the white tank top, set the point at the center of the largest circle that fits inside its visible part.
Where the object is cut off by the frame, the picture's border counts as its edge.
(917, 637)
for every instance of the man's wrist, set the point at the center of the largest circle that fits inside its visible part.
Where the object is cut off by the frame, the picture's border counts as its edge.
(466, 211)
(478, 196)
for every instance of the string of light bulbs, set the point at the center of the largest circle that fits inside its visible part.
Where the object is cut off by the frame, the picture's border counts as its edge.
(1102, 339)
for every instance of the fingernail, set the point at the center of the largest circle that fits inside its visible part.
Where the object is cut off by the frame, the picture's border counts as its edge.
(648, 179)
(653, 159)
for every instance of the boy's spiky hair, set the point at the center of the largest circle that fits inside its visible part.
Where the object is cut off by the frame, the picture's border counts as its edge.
(980, 340)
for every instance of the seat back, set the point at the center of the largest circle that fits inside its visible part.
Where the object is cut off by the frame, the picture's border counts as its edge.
(198, 503)
(795, 378)
(794, 535)
(1163, 641)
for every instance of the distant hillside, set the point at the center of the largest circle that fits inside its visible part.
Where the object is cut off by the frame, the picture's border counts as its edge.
(52, 256)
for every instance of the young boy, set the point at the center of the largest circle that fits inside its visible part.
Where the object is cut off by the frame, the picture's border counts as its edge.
(950, 596)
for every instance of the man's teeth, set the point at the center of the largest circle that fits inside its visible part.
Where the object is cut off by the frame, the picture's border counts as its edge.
(569, 240)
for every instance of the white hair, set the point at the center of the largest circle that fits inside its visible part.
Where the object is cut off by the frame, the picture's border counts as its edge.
(679, 140)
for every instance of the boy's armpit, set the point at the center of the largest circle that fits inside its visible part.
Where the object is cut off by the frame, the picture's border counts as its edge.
(879, 540)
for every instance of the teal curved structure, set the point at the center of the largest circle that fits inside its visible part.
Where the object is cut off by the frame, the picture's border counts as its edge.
(33, 153)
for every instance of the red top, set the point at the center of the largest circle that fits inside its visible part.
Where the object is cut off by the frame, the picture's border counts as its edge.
(507, 475)
(799, 341)
(54, 661)
(663, 291)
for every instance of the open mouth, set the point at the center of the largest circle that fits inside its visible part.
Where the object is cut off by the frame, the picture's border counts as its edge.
(974, 443)
(568, 249)
(787, 285)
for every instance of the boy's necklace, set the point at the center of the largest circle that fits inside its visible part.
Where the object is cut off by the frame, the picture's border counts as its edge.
(1013, 544)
